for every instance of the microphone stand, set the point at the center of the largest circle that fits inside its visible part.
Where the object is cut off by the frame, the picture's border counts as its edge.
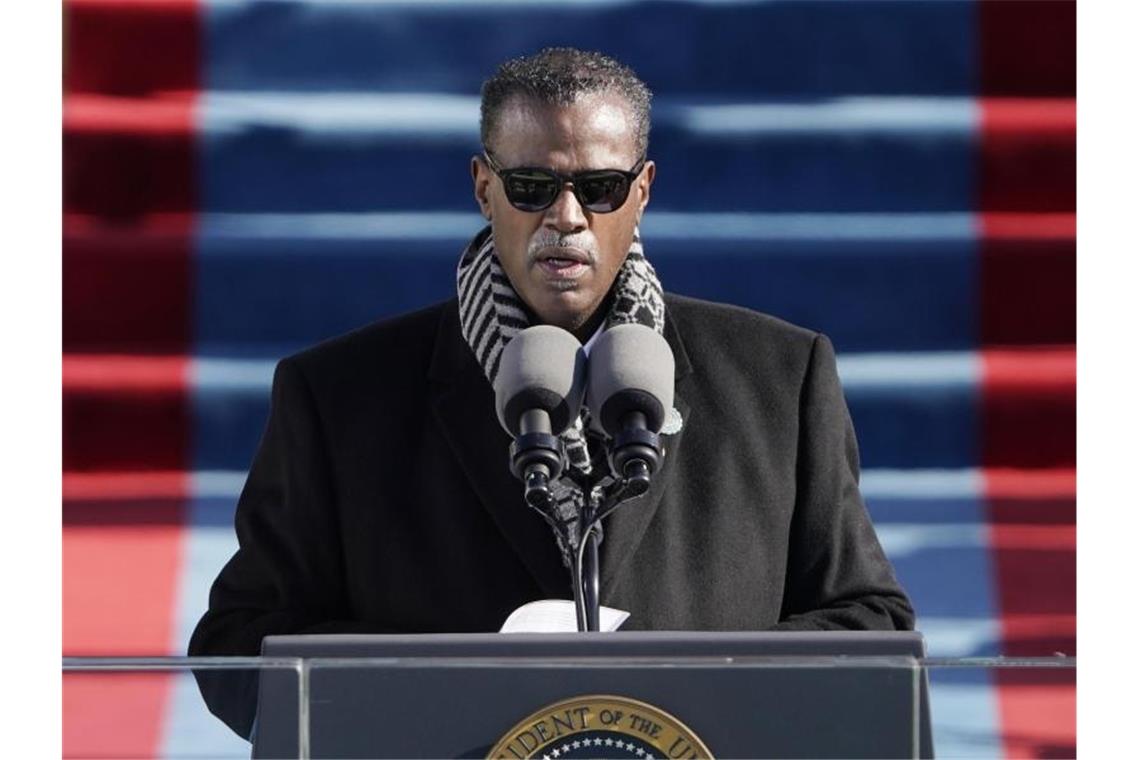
(581, 555)
(590, 568)
(584, 563)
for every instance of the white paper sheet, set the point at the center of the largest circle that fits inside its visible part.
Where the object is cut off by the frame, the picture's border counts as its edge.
(557, 616)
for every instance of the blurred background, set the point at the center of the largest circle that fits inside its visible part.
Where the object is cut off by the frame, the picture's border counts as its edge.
(242, 179)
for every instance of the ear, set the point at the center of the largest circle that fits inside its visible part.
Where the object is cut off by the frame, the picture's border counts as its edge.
(481, 176)
(642, 187)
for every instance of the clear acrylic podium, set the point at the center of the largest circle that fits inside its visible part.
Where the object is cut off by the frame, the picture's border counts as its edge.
(434, 699)
(818, 694)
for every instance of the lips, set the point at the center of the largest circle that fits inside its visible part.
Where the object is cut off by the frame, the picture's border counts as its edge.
(563, 262)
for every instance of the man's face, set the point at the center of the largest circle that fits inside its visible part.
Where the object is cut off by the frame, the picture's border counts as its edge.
(563, 260)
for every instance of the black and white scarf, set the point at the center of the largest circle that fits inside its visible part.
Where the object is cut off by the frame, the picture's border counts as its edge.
(491, 314)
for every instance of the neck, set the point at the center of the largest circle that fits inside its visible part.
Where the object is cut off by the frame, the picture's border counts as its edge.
(595, 320)
(583, 331)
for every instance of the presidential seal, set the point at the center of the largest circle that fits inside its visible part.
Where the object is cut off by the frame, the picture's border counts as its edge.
(600, 726)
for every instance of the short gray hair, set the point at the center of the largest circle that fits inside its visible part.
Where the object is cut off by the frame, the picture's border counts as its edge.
(559, 76)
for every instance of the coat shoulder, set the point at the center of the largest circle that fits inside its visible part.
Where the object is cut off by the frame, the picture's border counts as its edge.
(404, 342)
(720, 330)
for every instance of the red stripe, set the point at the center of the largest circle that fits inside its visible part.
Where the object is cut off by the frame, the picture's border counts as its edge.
(1029, 402)
(125, 374)
(1030, 116)
(120, 567)
(131, 71)
(132, 47)
(128, 290)
(126, 413)
(1014, 226)
(1028, 156)
(1001, 483)
(1027, 47)
(1038, 712)
(1031, 368)
(171, 114)
(121, 564)
(124, 164)
(1033, 535)
(115, 715)
(126, 486)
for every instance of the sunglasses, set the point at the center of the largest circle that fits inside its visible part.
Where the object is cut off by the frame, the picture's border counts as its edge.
(531, 188)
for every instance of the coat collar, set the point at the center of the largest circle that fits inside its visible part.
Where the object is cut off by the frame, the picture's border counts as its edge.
(464, 406)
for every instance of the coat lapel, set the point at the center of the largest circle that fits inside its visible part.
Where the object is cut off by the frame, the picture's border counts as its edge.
(464, 405)
(624, 529)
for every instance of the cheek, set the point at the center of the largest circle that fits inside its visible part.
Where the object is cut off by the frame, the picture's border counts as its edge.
(512, 236)
(616, 239)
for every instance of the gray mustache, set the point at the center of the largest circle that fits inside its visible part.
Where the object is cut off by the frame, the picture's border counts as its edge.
(583, 244)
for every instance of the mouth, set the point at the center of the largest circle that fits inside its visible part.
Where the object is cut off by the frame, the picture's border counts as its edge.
(562, 262)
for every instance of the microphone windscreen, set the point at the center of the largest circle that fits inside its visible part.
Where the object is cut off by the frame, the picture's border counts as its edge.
(631, 370)
(543, 367)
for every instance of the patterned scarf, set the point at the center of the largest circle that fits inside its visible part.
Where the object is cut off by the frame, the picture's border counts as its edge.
(491, 314)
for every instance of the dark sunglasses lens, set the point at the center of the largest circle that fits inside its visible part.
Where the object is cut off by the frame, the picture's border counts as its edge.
(603, 192)
(530, 191)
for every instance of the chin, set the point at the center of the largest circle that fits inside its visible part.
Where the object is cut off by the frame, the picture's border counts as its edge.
(565, 310)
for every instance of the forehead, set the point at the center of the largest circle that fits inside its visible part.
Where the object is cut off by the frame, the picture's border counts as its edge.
(594, 132)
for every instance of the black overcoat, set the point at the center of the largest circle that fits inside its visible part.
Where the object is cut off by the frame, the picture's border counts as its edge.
(380, 498)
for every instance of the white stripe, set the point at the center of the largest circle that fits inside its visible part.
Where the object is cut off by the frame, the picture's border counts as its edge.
(217, 484)
(511, 310)
(767, 226)
(237, 375)
(901, 540)
(189, 729)
(374, 226)
(337, 113)
(494, 355)
(456, 117)
(856, 114)
(963, 483)
(890, 370)
(466, 287)
(490, 332)
(960, 637)
(966, 718)
(657, 225)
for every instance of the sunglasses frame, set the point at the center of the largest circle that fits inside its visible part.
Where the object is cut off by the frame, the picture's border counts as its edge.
(562, 179)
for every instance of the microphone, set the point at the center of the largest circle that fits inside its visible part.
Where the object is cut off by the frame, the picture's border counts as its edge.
(538, 394)
(630, 390)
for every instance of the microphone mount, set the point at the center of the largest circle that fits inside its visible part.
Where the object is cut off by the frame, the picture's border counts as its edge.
(636, 452)
(536, 458)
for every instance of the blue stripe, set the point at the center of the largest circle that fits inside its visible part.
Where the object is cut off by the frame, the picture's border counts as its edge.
(269, 156)
(780, 48)
(867, 293)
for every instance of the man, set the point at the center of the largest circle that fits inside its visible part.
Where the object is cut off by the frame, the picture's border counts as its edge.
(381, 500)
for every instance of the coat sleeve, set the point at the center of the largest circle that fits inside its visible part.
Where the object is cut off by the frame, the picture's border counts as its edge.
(287, 574)
(838, 576)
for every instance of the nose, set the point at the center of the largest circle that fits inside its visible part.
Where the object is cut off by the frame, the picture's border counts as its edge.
(566, 214)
